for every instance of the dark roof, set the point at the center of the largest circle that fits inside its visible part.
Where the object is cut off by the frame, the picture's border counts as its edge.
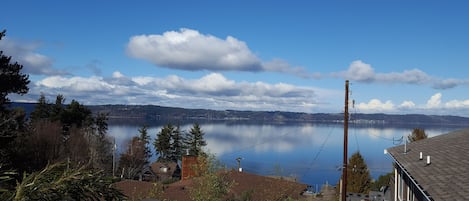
(156, 167)
(447, 176)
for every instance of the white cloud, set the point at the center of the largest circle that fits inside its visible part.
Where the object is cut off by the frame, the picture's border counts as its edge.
(457, 104)
(188, 49)
(434, 105)
(359, 71)
(434, 101)
(191, 50)
(363, 72)
(213, 91)
(375, 105)
(76, 84)
(407, 105)
(117, 74)
(25, 53)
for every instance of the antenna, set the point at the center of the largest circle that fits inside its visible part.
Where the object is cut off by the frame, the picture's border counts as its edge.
(239, 164)
(405, 147)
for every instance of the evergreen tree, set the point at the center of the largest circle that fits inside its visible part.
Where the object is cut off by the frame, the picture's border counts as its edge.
(169, 143)
(145, 138)
(101, 124)
(42, 109)
(162, 143)
(100, 144)
(176, 145)
(358, 175)
(11, 78)
(383, 180)
(417, 134)
(11, 81)
(58, 108)
(194, 140)
(68, 133)
(76, 114)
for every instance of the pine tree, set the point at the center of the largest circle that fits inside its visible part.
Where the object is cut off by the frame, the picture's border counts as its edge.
(11, 78)
(11, 81)
(162, 142)
(58, 108)
(169, 143)
(358, 175)
(100, 144)
(417, 134)
(195, 140)
(42, 109)
(145, 138)
(176, 145)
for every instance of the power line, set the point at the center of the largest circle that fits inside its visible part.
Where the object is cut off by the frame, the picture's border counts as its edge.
(321, 148)
(250, 146)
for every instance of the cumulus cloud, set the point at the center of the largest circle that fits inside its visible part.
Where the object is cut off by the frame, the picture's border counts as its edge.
(25, 53)
(376, 105)
(213, 91)
(117, 74)
(457, 104)
(434, 101)
(434, 105)
(407, 105)
(188, 49)
(191, 50)
(451, 107)
(362, 72)
(359, 71)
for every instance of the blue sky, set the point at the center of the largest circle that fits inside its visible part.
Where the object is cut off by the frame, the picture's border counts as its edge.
(400, 56)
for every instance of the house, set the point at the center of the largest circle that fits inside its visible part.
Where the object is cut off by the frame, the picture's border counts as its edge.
(164, 171)
(435, 168)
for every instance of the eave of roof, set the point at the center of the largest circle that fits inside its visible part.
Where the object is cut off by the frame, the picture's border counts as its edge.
(447, 177)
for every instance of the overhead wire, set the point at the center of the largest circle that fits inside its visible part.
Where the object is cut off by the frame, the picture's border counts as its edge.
(321, 148)
(252, 146)
(350, 120)
(356, 111)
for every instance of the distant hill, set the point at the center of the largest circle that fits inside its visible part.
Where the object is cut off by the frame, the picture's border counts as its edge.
(130, 114)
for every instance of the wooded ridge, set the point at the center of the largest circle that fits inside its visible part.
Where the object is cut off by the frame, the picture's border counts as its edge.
(130, 114)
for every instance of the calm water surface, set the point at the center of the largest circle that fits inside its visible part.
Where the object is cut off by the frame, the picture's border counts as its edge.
(310, 152)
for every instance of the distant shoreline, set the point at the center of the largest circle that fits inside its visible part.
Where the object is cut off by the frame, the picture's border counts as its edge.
(155, 115)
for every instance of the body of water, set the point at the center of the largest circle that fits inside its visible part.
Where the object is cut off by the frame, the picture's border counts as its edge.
(311, 152)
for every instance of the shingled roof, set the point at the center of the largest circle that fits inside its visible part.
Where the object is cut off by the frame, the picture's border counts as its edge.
(447, 176)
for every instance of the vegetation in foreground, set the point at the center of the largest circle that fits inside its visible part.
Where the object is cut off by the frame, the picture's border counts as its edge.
(61, 153)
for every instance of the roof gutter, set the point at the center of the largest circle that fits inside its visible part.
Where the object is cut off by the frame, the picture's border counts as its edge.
(428, 197)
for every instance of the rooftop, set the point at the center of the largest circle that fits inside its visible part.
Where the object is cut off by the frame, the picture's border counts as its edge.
(447, 175)
(263, 188)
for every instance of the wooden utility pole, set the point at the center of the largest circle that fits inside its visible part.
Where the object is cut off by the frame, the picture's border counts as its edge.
(344, 167)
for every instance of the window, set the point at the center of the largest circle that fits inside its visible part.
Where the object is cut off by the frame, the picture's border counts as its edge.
(400, 187)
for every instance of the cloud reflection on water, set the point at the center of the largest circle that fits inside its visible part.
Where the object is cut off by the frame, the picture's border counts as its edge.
(310, 151)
